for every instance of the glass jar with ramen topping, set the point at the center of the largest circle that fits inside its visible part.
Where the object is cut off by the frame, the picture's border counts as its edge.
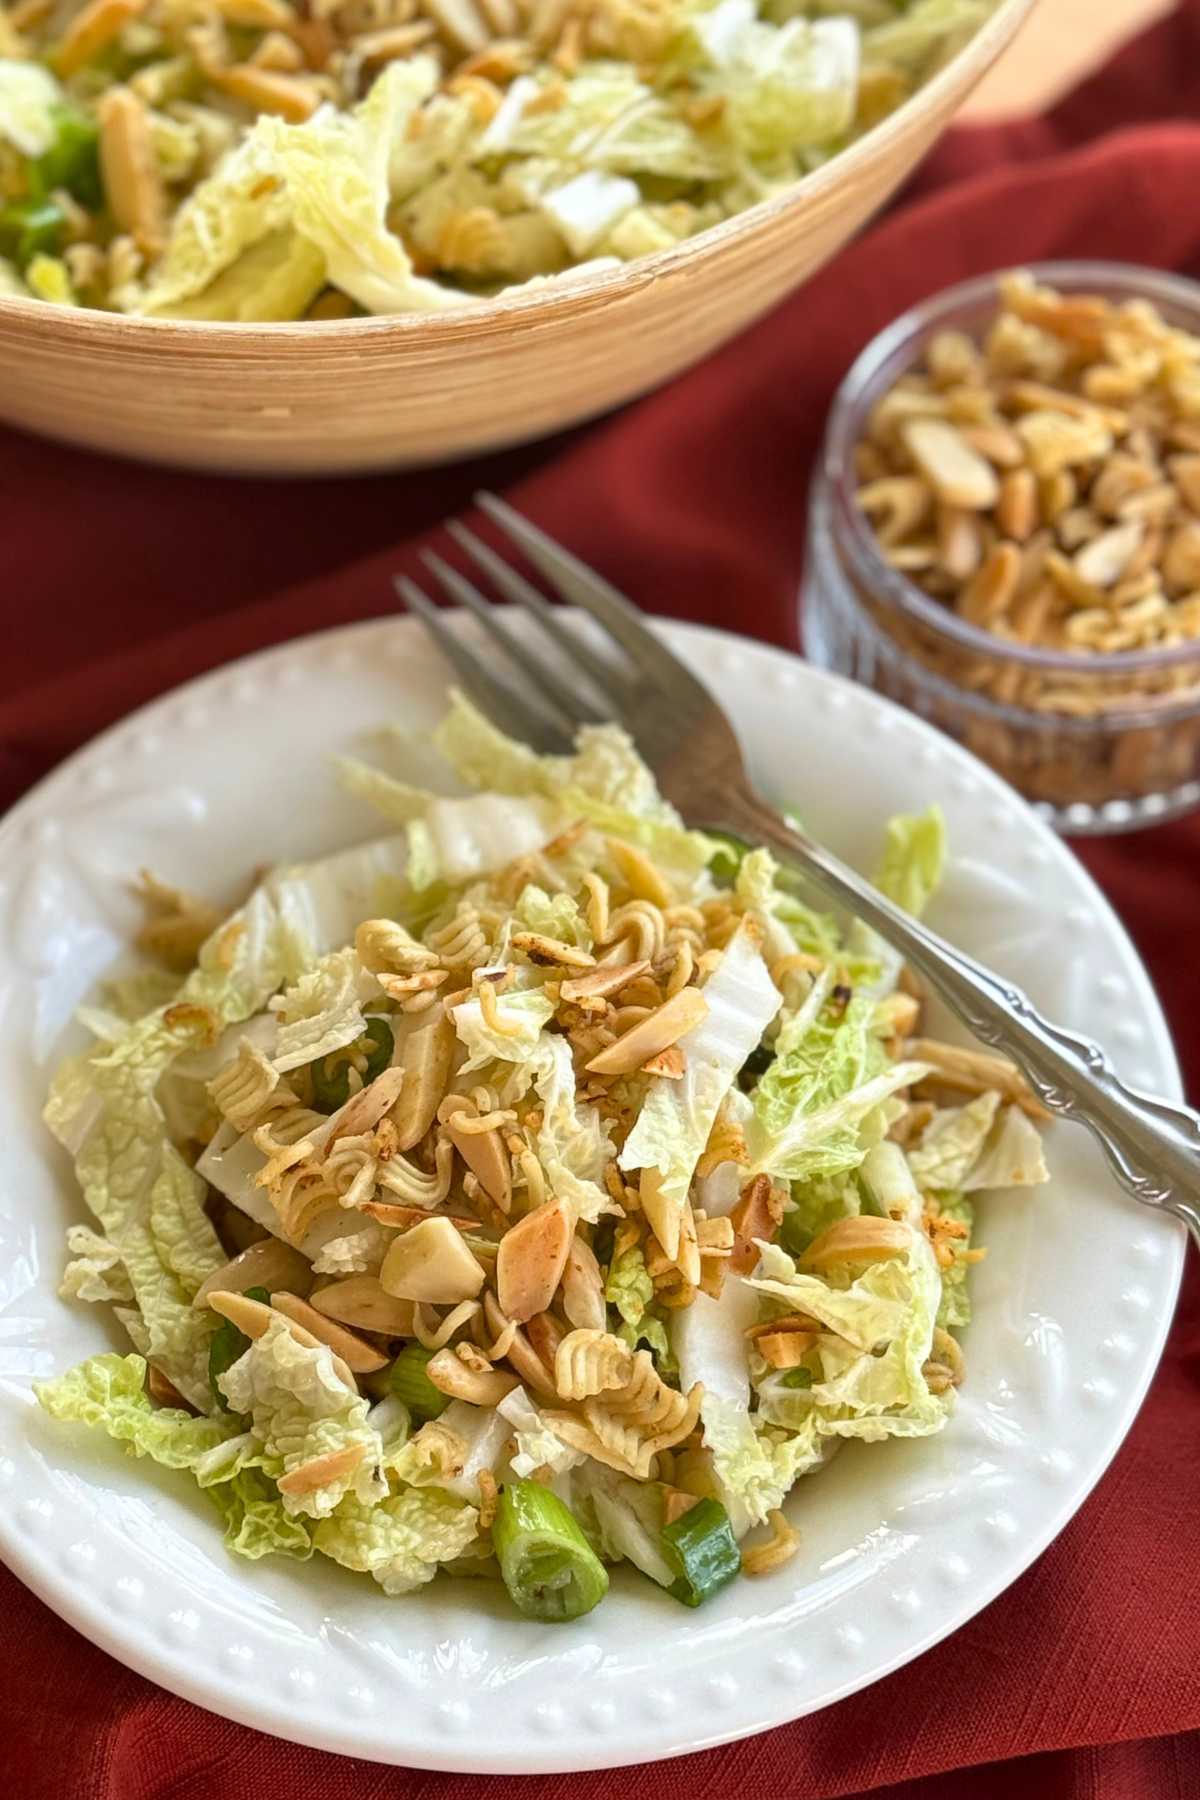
(1078, 679)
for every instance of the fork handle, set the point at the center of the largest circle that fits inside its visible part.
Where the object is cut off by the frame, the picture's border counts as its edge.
(1152, 1144)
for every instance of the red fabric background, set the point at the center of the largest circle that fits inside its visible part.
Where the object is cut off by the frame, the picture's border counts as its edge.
(119, 581)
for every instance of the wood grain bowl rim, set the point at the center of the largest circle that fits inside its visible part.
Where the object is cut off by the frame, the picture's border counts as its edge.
(94, 329)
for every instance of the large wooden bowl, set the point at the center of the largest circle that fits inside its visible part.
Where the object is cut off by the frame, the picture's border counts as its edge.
(380, 393)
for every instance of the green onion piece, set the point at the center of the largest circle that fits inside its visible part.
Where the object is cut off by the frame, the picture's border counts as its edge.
(30, 228)
(409, 1382)
(331, 1076)
(548, 1566)
(797, 1378)
(72, 161)
(378, 1043)
(701, 1545)
(227, 1344)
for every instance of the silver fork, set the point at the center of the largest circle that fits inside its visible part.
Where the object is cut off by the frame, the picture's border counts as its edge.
(1152, 1144)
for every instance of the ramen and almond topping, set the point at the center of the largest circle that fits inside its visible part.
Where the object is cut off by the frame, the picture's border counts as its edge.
(1044, 482)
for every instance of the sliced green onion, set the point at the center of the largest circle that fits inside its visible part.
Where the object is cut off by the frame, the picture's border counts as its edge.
(700, 1544)
(73, 159)
(227, 1345)
(799, 1377)
(331, 1075)
(30, 228)
(409, 1382)
(548, 1566)
(378, 1043)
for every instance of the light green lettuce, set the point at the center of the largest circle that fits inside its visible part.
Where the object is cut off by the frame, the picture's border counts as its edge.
(954, 1311)
(913, 860)
(256, 1521)
(553, 915)
(29, 96)
(951, 1143)
(755, 1463)
(785, 87)
(335, 170)
(105, 1109)
(400, 1541)
(630, 1290)
(677, 1116)
(879, 1329)
(95, 1271)
(538, 1445)
(108, 1393)
(829, 1075)
(322, 1011)
(523, 1016)
(299, 1410)
(925, 33)
(605, 782)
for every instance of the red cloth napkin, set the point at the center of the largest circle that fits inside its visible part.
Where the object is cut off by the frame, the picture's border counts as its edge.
(120, 581)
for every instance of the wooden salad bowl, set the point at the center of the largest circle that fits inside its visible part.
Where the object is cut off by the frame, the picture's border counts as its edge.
(361, 394)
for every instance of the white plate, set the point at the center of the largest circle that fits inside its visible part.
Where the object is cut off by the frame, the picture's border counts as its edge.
(902, 1542)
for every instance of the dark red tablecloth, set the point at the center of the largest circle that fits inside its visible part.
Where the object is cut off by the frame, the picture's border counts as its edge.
(119, 581)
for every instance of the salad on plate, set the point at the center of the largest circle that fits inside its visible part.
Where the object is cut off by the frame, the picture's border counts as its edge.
(539, 1187)
(320, 159)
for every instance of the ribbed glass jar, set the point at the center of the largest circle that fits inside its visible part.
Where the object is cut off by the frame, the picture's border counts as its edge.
(1100, 743)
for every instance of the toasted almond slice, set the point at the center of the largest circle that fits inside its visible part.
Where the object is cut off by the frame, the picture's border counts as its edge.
(1102, 562)
(404, 1216)
(363, 1111)
(640, 875)
(461, 22)
(1185, 473)
(266, 90)
(1056, 440)
(482, 1151)
(164, 1392)
(669, 1064)
(321, 1470)
(94, 27)
(790, 1322)
(253, 1318)
(258, 15)
(520, 1353)
(757, 1214)
(600, 983)
(664, 1026)
(355, 1352)
(394, 41)
(863, 1239)
(992, 590)
(583, 1288)
(270, 1263)
(551, 951)
(425, 1062)
(545, 1334)
(974, 1071)
(785, 1349)
(480, 1387)
(997, 443)
(897, 505)
(132, 180)
(960, 542)
(362, 1300)
(531, 1260)
(431, 1263)
(959, 474)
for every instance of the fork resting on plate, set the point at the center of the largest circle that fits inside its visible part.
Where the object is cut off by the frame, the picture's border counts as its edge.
(544, 695)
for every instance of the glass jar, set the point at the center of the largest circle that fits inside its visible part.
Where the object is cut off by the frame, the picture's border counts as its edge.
(1099, 743)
